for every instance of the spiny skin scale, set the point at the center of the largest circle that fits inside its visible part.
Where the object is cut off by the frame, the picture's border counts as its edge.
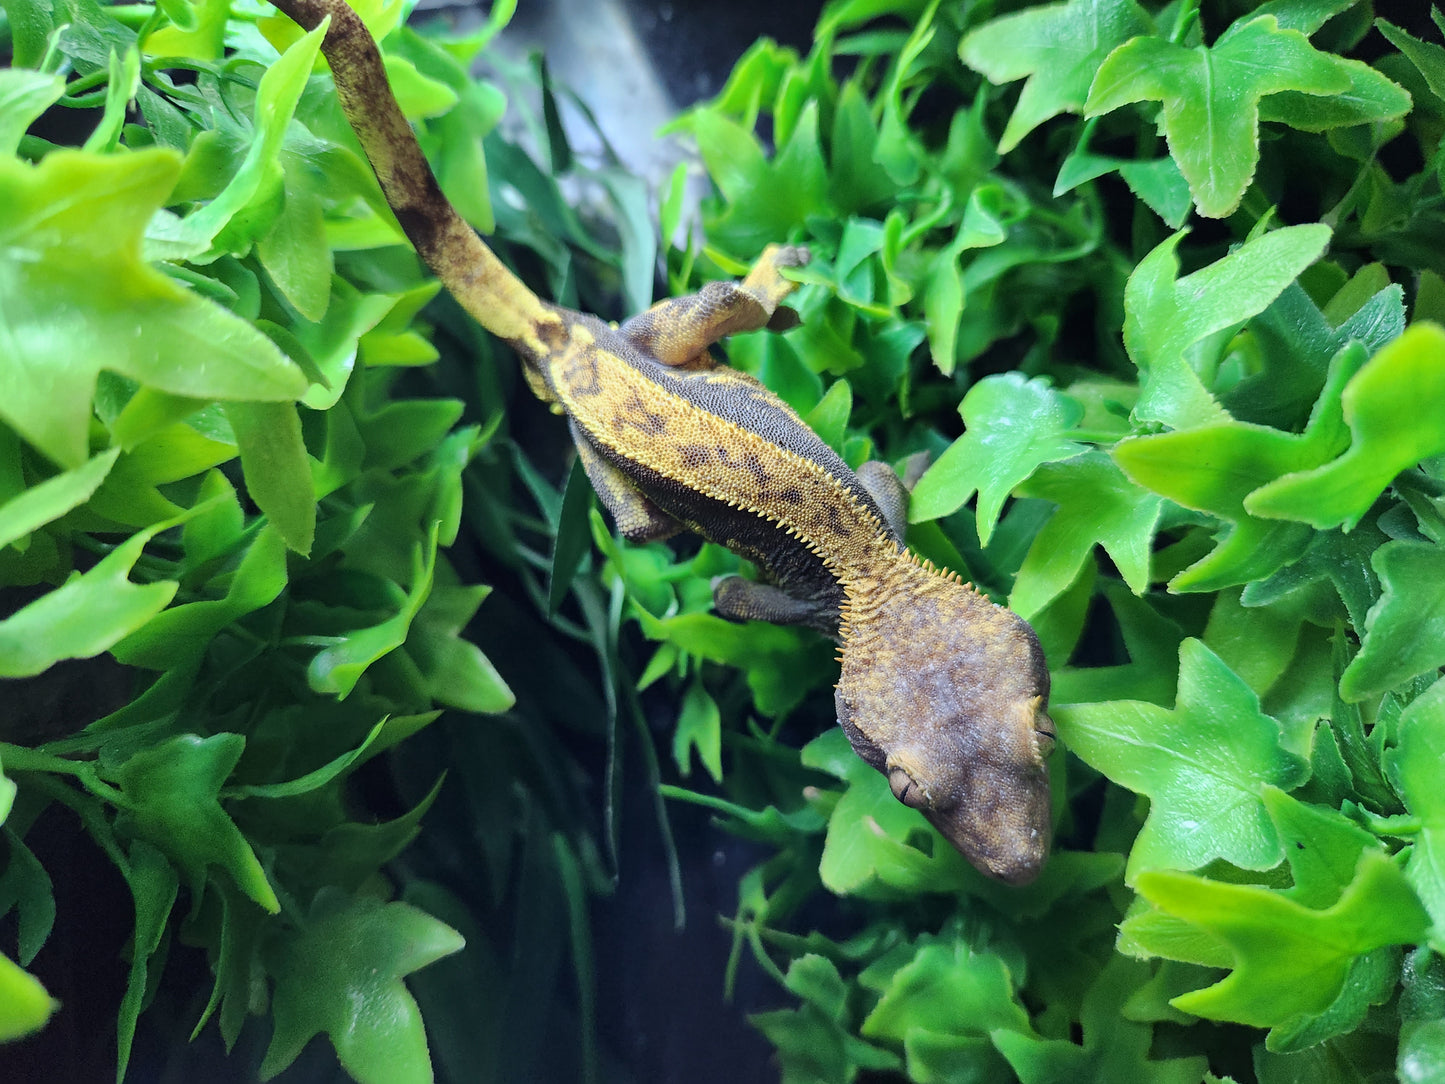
(941, 690)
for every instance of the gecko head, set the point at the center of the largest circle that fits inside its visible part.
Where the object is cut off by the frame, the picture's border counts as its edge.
(947, 697)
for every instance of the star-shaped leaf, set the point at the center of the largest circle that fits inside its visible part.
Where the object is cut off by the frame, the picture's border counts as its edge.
(1395, 409)
(341, 974)
(172, 794)
(1114, 1046)
(1404, 631)
(1152, 642)
(85, 615)
(1215, 467)
(1097, 505)
(1166, 316)
(1413, 767)
(1011, 425)
(1211, 97)
(1058, 48)
(1203, 764)
(1289, 959)
(947, 988)
(816, 1040)
(77, 298)
(1334, 569)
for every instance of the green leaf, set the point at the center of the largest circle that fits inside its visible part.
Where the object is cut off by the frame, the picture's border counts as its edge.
(455, 670)
(1413, 767)
(1058, 47)
(946, 989)
(1370, 99)
(172, 800)
(341, 973)
(699, 727)
(260, 176)
(277, 471)
(336, 669)
(182, 633)
(1097, 505)
(1011, 425)
(780, 665)
(1392, 407)
(1166, 316)
(153, 886)
(1211, 98)
(70, 232)
(1204, 765)
(24, 96)
(52, 498)
(24, 1005)
(816, 1042)
(1289, 959)
(85, 615)
(295, 252)
(1427, 57)
(1215, 467)
(1404, 631)
(1114, 1046)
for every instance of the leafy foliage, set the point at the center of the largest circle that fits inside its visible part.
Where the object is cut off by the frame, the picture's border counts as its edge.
(1164, 320)
(1202, 482)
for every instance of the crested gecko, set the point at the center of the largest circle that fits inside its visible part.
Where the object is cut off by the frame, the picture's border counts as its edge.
(941, 690)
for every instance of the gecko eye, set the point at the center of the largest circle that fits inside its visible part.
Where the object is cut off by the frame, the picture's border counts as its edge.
(1044, 734)
(905, 789)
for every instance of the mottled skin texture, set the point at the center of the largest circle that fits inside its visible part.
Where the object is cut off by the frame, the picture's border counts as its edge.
(942, 691)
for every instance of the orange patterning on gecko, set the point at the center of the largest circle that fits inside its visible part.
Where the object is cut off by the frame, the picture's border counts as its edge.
(941, 690)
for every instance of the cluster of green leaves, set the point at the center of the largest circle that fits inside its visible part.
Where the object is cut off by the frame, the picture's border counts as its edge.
(223, 480)
(1207, 463)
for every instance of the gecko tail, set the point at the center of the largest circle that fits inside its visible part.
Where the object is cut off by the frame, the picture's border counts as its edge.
(480, 282)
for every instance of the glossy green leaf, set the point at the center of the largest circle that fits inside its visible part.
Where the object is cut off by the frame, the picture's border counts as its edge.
(1011, 426)
(946, 989)
(454, 669)
(277, 471)
(183, 632)
(341, 973)
(1166, 316)
(337, 669)
(1404, 631)
(1393, 407)
(1097, 505)
(1211, 98)
(85, 615)
(1058, 48)
(294, 251)
(172, 792)
(1427, 56)
(1112, 1048)
(70, 243)
(815, 1042)
(52, 498)
(1413, 767)
(1216, 467)
(24, 95)
(259, 178)
(1288, 959)
(1209, 759)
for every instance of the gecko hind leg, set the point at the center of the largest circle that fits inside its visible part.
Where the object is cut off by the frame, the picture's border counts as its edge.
(636, 517)
(678, 332)
(738, 599)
